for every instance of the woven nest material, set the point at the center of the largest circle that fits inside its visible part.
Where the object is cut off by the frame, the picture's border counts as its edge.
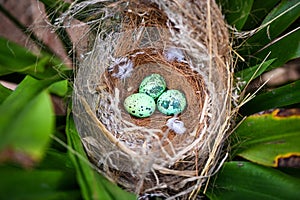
(187, 43)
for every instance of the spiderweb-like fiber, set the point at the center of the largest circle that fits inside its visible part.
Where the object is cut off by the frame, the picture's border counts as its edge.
(187, 43)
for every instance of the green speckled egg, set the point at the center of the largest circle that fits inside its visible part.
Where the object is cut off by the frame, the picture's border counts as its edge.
(139, 105)
(171, 102)
(153, 85)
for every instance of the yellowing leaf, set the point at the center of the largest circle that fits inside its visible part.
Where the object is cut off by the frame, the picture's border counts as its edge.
(266, 137)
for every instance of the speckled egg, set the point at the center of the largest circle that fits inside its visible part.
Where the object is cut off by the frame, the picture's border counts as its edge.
(171, 102)
(139, 105)
(153, 85)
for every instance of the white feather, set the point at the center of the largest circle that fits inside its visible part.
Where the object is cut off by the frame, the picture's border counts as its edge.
(176, 125)
(174, 54)
(125, 67)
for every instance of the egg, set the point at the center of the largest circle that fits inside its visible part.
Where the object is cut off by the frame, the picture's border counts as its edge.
(153, 85)
(171, 102)
(139, 105)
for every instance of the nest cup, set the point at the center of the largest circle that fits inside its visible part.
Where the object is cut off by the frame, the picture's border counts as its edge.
(170, 156)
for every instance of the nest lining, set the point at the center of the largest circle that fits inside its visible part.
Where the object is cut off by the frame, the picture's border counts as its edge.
(140, 132)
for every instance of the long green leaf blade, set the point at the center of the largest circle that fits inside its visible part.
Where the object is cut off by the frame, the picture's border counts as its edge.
(275, 98)
(283, 49)
(15, 58)
(248, 181)
(267, 138)
(236, 11)
(259, 11)
(277, 21)
(92, 184)
(28, 134)
(251, 73)
(27, 120)
(27, 90)
(17, 184)
(59, 88)
(59, 5)
(4, 93)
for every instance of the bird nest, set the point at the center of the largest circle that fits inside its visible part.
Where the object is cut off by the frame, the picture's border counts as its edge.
(186, 43)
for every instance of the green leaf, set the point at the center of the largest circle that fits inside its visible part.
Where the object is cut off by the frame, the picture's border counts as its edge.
(266, 138)
(291, 15)
(275, 98)
(59, 88)
(4, 93)
(56, 160)
(58, 5)
(251, 73)
(17, 184)
(15, 58)
(259, 11)
(244, 180)
(29, 132)
(27, 90)
(93, 185)
(27, 119)
(277, 21)
(284, 49)
(236, 11)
